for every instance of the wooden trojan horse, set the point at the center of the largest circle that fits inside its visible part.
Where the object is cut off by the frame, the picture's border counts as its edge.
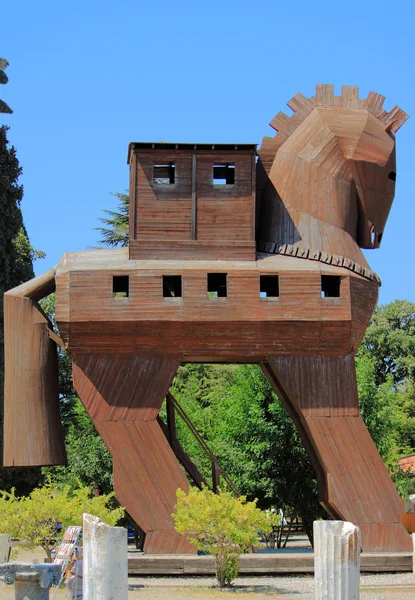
(196, 284)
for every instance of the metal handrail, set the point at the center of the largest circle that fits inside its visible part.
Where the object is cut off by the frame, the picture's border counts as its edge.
(214, 461)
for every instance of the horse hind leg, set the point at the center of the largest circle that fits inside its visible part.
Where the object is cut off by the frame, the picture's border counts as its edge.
(320, 394)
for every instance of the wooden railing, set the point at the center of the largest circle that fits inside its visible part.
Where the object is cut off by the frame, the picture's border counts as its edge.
(169, 429)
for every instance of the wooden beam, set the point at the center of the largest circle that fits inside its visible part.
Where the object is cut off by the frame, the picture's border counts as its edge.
(33, 433)
(215, 477)
(194, 198)
(37, 288)
(171, 422)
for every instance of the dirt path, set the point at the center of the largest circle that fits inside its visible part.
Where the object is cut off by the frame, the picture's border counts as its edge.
(373, 587)
(250, 593)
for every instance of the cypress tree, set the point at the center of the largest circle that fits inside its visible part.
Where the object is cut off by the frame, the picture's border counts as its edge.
(16, 265)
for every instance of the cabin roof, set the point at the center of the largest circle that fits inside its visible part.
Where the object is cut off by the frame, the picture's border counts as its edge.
(117, 259)
(205, 147)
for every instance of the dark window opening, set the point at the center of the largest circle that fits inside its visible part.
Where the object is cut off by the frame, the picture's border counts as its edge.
(120, 286)
(392, 176)
(216, 285)
(373, 235)
(330, 286)
(172, 286)
(269, 286)
(164, 174)
(223, 174)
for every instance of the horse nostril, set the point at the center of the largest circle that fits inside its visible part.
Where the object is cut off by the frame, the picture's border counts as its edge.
(392, 175)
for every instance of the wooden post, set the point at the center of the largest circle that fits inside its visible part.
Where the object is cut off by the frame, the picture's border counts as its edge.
(171, 422)
(194, 198)
(215, 477)
(33, 433)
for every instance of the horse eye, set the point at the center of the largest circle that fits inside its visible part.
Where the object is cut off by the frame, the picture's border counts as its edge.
(392, 175)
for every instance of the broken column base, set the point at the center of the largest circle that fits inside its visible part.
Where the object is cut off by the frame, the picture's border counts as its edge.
(336, 560)
(31, 581)
(105, 560)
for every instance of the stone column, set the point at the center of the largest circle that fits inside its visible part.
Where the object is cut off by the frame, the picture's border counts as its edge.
(105, 560)
(4, 547)
(31, 581)
(336, 560)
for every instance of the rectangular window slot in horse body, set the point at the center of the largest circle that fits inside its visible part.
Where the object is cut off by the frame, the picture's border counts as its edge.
(330, 286)
(172, 286)
(216, 285)
(120, 286)
(269, 286)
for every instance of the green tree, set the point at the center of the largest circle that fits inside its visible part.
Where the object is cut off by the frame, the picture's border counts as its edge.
(220, 524)
(16, 266)
(33, 519)
(4, 108)
(389, 343)
(379, 408)
(116, 231)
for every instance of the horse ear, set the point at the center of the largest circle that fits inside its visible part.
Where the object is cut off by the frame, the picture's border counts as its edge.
(394, 119)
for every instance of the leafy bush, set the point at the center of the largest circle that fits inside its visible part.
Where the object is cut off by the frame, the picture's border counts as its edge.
(33, 519)
(220, 524)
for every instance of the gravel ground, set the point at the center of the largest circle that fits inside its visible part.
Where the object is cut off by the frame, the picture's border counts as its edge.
(393, 586)
(384, 586)
(399, 586)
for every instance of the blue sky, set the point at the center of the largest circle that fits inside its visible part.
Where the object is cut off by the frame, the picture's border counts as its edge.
(88, 77)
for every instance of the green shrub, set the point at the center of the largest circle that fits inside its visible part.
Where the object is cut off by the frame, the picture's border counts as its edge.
(33, 519)
(220, 524)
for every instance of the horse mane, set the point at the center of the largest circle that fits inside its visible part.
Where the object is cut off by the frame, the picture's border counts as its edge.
(301, 106)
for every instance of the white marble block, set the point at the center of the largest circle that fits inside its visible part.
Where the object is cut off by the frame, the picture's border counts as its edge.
(105, 560)
(336, 560)
(413, 553)
(4, 547)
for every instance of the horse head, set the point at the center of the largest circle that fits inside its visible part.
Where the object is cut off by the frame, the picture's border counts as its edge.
(327, 179)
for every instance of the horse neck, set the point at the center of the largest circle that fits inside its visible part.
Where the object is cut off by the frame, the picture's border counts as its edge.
(310, 201)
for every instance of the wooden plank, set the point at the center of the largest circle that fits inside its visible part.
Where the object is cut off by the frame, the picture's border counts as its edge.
(31, 399)
(324, 94)
(301, 105)
(273, 563)
(194, 196)
(350, 96)
(123, 387)
(133, 197)
(375, 103)
(36, 288)
(395, 118)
